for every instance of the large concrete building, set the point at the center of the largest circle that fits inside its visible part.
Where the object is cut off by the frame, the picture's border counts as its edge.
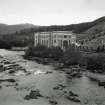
(55, 38)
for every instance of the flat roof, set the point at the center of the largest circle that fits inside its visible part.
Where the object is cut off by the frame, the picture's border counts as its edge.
(55, 32)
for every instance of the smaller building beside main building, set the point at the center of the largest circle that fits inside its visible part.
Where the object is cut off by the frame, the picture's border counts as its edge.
(55, 38)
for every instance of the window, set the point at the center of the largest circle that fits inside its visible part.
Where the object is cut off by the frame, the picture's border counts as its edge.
(42, 41)
(47, 42)
(65, 36)
(54, 41)
(69, 36)
(69, 42)
(61, 43)
(54, 36)
(59, 36)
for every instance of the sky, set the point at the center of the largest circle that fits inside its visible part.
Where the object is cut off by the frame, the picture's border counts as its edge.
(50, 12)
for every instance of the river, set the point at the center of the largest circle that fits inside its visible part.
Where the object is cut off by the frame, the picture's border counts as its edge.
(89, 92)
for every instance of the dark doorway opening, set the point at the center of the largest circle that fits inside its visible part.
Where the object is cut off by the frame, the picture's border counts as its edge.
(65, 44)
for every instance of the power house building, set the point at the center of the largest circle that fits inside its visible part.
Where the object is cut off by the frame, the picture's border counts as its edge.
(55, 38)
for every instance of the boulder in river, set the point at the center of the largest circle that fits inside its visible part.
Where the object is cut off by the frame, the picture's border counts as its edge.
(53, 102)
(101, 83)
(1, 68)
(34, 94)
(62, 85)
(73, 97)
(27, 97)
(72, 94)
(56, 87)
(59, 87)
(10, 80)
(7, 80)
(7, 62)
(11, 71)
(49, 72)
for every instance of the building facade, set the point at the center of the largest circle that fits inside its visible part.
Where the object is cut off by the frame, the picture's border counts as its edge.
(55, 38)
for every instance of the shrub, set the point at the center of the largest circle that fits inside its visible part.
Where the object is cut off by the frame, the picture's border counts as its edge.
(5, 44)
(55, 53)
(72, 56)
(39, 50)
(96, 63)
(44, 52)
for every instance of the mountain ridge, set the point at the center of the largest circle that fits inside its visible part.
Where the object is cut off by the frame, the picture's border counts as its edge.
(9, 29)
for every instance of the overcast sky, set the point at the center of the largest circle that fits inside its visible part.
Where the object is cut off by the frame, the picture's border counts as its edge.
(50, 12)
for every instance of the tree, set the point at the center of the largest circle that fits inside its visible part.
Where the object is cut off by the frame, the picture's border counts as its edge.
(98, 49)
(72, 56)
(96, 63)
(56, 53)
(102, 48)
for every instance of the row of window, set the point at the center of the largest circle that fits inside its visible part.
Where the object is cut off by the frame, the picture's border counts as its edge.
(61, 36)
(54, 41)
(58, 42)
(44, 42)
(54, 36)
(61, 42)
(44, 36)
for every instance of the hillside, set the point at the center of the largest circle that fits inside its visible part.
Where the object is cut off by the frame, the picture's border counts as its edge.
(81, 28)
(95, 36)
(8, 29)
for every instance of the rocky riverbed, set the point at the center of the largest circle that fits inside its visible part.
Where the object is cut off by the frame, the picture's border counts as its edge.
(24, 82)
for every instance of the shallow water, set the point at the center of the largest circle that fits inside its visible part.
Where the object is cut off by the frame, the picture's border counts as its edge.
(89, 92)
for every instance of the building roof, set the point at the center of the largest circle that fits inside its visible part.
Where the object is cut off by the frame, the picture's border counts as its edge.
(56, 32)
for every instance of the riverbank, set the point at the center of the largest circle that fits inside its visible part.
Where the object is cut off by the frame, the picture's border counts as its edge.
(68, 69)
(72, 71)
(95, 76)
(99, 78)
